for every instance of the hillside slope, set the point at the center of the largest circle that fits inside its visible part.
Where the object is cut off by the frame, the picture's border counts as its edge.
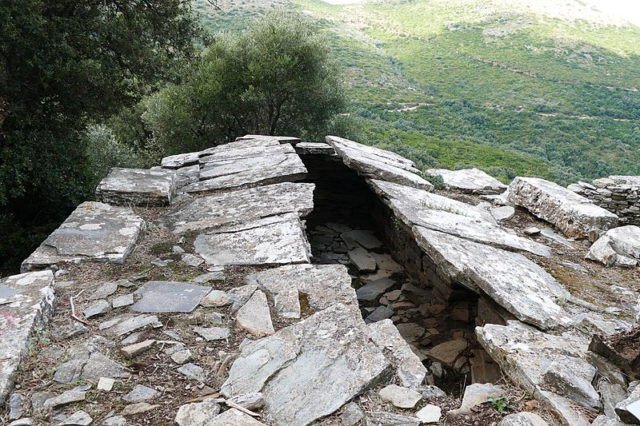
(542, 90)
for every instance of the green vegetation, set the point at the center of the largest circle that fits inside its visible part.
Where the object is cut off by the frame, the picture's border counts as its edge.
(275, 78)
(507, 87)
(66, 65)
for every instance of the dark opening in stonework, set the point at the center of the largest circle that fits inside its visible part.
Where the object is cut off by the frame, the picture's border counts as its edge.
(392, 278)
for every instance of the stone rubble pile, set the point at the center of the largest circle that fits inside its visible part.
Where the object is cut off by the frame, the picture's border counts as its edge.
(222, 308)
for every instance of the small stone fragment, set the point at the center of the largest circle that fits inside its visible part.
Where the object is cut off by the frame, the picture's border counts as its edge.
(523, 419)
(381, 418)
(106, 384)
(99, 308)
(374, 289)
(115, 421)
(212, 333)
(182, 357)
(141, 407)
(447, 352)
(192, 259)
(475, 394)
(254, 316)
(410, 331)
(79, 418)
(429, 414)
(362, 260)
(65, 398)
(140, 393)
(193, 371)
(379, 314)
(503, 213)
(15, 406)
(137, 348)
(122, 301)
(399, 396)
(22, 422)
(532, 230)
(208, 277)
(105, 290)
(197, 414)
(216, 299)
(351, 414)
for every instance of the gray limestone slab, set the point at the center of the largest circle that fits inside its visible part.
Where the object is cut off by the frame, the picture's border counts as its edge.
(618, 246)
(275, 240)
(94, 232)
(573, 214)
(516, 283)
(310, 369)
(180, 160)
(140, 187)
(472, 181)
(321, 286)
(28, 302)
(415, 207)
(247, 167)
(314, 148)
(169, 296)
(231, 208)
(375, 163)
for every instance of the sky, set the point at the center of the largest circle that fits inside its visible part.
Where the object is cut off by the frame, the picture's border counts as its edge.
(625, 9)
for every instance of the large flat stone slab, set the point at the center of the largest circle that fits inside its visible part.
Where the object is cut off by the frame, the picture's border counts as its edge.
(245, 205)
(574, 215)
(510, 279)
(293, 140)
(319, 285)
(416, 207)
(139, 187)
(528, 356)
(376, 163)
(247, 167)
(274, 240)
(94, 232)
(26, 302)
(310, 369)
(169, 296)
(472, 181)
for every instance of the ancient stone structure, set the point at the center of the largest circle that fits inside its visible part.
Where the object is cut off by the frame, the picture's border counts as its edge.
(618, 194)
(275, 281)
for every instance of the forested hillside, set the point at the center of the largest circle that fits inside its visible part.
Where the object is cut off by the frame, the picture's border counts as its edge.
(549, 90)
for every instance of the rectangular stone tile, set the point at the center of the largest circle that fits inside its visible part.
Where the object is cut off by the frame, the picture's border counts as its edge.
(26, 303)
(139, 187)
(94, 232)
(273, 240)
(235, 207)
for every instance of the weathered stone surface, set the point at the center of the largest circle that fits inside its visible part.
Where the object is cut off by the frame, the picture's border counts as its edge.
(431, 211)
(182, 357)
(139, 187)
(523, 354)
(293, 140)
(138, 348)
(321, 285)
(169, 296)
(628, 410)
(180, 160)
(314, 148)
(362, 260)
(429, 414)
(380, 313)
(310, 369)
(193, 372)
(65, 398)
(127, 324)
(26, 302)
(523, 419)
(575, 385)
(216, 299)
(104, 290)
(122, 301)
(365, 238)
(105, 384)
(373, 290)
(94, 232)
(250, 401)
(377, 163)
(234, 417)
(246, 167)
(235, 207)
(399, 396)
(274, 240)
(197, 414)
(137, 408)
(140, 393)
(510, 279)
(254, 316)
(79, 418)
(503, 213)
(101, 307)
(472, 181)
(618, 246)
(447, 352)
(212, 333)
(574, 215)
(476, 394)
(351, 414)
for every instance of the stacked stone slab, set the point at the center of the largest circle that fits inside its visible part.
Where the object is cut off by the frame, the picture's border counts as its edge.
(574, 215)
(473, 181)
(138, 187)
(618, 194)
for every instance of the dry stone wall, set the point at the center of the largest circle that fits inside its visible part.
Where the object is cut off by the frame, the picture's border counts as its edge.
(618, 194)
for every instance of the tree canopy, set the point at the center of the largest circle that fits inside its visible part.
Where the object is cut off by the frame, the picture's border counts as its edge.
(63, 65)
(276, 77)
